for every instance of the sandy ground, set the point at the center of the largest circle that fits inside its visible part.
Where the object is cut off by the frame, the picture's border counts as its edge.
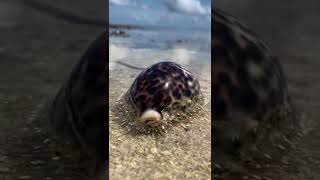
(37, 54)
(291, 30)
(184, 152)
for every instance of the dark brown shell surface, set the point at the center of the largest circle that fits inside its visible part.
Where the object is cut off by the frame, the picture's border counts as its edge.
(78, 111)
(251, 102)
(163, 85)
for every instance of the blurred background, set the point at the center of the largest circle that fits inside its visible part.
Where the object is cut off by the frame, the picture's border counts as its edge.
(291, 30)
(40, 42)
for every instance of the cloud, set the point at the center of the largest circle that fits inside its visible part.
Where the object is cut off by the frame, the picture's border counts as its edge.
(186, 6)
(120, 2)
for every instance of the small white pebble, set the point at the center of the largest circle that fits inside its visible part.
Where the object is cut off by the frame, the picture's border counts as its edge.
(154, 150)
(284, 161)
(256, 177)
(166, 153)
(3, 158)
(25, 177)
(37, 162)
(55, 158)
(267, 156)
(281, 147)
(149, 156)
(46, 141)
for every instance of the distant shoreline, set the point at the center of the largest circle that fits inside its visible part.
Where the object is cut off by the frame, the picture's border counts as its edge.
(149, 27)
(125, 26)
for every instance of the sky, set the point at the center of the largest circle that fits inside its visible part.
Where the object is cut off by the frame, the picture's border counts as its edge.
(168, 13)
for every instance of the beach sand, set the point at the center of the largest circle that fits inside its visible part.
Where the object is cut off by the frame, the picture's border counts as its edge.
(177, 154)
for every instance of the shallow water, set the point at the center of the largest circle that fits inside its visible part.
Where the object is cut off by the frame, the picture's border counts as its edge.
(164, 39)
